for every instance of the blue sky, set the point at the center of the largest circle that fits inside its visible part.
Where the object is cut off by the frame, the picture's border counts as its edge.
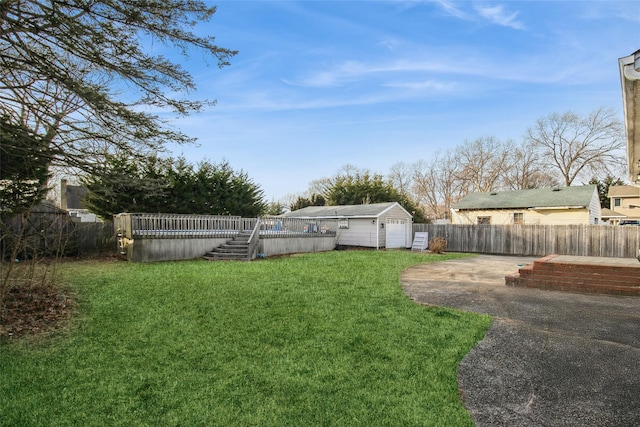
(317, 85)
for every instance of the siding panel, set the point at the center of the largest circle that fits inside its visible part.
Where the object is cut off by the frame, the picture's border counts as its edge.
(361, 232)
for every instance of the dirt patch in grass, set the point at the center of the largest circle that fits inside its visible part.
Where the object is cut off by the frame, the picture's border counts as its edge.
(35, 303)
(34, 309)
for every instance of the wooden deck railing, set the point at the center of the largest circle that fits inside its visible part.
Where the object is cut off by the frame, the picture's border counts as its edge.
(282, 227)
(254, 238)
(177, 226)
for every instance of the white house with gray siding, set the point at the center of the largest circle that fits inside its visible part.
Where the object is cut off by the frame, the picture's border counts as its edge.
(376, 225)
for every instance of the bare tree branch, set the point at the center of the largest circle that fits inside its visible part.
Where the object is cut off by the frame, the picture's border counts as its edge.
(64, 65)
(483, 162)
(580, 146)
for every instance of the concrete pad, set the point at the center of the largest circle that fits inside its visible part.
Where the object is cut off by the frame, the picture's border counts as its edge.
(549, 358)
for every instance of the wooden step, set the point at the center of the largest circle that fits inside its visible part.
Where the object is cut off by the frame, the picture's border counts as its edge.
(231, 249)
(237, 243)
(236, 249)
(215, 256)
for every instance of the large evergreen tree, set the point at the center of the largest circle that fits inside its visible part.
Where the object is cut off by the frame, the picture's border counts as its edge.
(126, 185)
(23, 168)
(302, 202)
(171, 186)
(363, 187)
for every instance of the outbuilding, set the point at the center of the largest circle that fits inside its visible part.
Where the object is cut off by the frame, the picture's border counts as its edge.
(375, 225)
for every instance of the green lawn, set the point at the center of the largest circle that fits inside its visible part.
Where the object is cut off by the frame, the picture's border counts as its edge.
(315, 340)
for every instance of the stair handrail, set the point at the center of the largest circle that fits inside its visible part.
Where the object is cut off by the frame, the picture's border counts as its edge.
(253, 240)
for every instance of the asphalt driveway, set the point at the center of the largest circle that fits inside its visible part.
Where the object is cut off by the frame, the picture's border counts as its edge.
(549, 358)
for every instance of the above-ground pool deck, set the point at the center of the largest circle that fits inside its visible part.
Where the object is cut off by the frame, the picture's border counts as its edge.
(166, 237)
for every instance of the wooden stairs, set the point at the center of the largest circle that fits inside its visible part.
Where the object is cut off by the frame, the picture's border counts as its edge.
(595, 275)
(236, 249)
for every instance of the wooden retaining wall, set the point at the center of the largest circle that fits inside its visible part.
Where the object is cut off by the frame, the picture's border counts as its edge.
(538, 240)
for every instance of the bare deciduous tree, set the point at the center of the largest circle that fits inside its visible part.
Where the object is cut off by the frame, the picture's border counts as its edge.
(436, 185)
(425, 187)
(557, 149)
(319, 186)
(483, 162)
(526, 170)
(577, 146)
(401, 177)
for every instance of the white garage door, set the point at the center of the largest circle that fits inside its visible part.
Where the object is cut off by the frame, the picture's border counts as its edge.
(396, 233)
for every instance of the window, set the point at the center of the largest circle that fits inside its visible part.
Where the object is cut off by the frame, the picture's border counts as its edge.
(484, 220)
(343, 223)
(518, 218)
(617, 202)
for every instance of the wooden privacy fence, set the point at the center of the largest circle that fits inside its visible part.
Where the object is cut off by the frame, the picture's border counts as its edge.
(46, 231)
(538, 240)
(94, 237)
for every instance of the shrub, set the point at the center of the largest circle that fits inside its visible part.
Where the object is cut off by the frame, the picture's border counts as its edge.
(437, 245)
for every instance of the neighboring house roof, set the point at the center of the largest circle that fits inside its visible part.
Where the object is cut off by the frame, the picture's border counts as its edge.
(608, 213)
(630, 80)
(372, 210)
(47, 207)
(624, 191)
(539, 198)
(75, 193)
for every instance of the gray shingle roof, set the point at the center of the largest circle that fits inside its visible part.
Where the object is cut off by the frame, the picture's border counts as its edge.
(522, 199)
(370, 210)
(75, 193)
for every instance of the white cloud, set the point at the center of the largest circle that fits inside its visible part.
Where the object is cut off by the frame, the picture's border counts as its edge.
(351, 71)
(425, 85)
(451, 9)
(497, 15)
(494, 14)
(428, 71)
(391, 43)
(625, 10)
